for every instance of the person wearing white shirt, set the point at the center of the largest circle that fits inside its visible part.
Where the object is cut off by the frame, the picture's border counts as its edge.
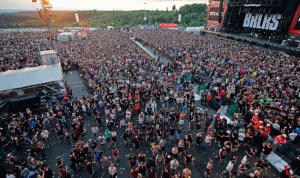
(128, 115)
(241, 137)
(112, 171)
(245, 160)
(10, 175)
(292, 135)
(45, 137)
(229, 168)
(94, 130)
(84, 109)
(154, 106)
(174, 164)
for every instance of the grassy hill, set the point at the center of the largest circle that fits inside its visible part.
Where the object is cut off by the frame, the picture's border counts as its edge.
(192, 15)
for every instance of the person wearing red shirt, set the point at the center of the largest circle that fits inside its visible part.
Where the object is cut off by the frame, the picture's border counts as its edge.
(218, 97)
(278, 139)
(249, 97)
(259, 124)
(242, 72)
(267, 130)
(208, 98)
(63, 172)
(210, 132)
(166, 78)
(137, 107)
(222, 92)
(255, 118)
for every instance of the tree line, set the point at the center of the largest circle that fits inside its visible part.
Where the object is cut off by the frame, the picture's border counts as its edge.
(191, 16)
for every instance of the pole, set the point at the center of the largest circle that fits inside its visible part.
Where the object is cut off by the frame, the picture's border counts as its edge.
(145, 18)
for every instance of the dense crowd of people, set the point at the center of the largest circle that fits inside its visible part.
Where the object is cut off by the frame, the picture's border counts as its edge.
(20, 50)
(151, 106)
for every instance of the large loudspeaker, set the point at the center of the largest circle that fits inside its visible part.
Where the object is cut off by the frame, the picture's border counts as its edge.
(220, 11)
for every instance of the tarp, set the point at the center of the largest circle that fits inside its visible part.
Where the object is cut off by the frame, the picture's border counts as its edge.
(197, 97)
(233, 109)
(202, 87)
(14, 79)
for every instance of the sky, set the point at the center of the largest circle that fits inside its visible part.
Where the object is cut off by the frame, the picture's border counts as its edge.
(98, 4)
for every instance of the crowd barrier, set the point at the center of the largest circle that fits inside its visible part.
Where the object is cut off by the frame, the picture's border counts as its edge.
(157, 50)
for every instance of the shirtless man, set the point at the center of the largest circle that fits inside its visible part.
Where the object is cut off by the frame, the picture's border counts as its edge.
(181, 118)
(154, 149)
(175, 151)
(186, 172)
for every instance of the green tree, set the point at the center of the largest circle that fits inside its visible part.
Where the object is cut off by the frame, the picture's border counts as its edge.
(193, 14)
(194, 23)
(173, 7)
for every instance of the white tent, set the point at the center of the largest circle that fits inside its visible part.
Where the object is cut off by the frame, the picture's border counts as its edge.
(65, 36)
(195, 30)
(14, 79)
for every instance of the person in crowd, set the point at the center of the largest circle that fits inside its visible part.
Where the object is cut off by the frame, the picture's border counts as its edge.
(209, 167)
(112, 171)
(116, 155)
(229, 168)
(89, 167)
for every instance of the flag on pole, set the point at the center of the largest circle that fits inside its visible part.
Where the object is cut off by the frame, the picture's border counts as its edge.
(77, 17)
(83, 32)
(179, 17)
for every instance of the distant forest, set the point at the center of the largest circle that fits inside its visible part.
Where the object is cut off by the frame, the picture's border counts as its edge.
(191, 16)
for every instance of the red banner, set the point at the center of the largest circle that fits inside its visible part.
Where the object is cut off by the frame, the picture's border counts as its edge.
(168, 25)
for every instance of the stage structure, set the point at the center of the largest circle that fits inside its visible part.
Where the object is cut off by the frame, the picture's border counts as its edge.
(32, 83)
(267, 19)
(215, 14)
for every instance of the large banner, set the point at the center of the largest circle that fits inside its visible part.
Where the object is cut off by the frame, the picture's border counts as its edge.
(77, 17)
(262, 18)
(168, 25)
(49, 57)
(262, 21)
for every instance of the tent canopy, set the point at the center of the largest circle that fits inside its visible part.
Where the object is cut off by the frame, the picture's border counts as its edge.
(14, 79)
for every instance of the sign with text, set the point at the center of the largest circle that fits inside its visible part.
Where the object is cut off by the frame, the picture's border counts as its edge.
(262, 21)
(168, 25)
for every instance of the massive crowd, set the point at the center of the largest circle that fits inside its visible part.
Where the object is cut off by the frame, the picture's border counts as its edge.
(150, 103)
(19, 50)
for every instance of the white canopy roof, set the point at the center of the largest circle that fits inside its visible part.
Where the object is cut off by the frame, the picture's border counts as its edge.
(65, 34)
(14, 79)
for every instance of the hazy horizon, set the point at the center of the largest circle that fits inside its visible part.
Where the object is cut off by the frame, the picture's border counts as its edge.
(104, 5)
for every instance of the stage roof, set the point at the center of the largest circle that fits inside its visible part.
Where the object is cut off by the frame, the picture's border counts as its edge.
(14, 79)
